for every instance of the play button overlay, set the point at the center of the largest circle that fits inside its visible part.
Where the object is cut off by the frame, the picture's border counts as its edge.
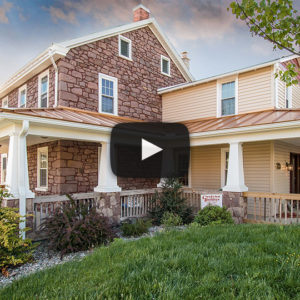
(150, 150)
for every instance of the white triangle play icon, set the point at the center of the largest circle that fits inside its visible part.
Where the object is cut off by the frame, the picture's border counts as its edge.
(149, 149)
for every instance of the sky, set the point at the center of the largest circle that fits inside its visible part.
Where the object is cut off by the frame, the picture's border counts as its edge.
(216, 41)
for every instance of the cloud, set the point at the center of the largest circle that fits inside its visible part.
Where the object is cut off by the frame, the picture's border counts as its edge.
(58, 14)
(4, 9)
(262, 48)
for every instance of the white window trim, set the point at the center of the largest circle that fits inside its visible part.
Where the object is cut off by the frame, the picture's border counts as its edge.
(115, 102)
(161, 65)
(40, 85)
(43, 188)
(291, 96)
(3, 155)
(219, 94)
(5, 99)
(223, 161)
(21, 89)
(123, 38)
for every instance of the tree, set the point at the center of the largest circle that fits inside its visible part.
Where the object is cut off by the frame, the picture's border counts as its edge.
(276, 21)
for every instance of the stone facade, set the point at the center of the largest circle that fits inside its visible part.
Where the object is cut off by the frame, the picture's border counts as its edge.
(32, 92)
(137, 183)
(138, 80)
(235, 204)
(72, 167)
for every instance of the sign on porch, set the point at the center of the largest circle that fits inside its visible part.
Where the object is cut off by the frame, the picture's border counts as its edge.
(211, 199)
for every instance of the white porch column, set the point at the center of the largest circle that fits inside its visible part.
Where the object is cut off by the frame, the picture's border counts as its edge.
(107, 180)
(235, 175)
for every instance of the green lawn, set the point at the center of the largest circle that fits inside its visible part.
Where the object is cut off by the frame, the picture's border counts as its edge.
(217, 262)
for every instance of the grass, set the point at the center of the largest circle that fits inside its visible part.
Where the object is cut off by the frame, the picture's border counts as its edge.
(217, 262)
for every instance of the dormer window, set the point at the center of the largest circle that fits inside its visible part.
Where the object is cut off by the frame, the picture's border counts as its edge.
(44, 89)
(124, 47)
(22, 96)
(165, 65)
(228, 98)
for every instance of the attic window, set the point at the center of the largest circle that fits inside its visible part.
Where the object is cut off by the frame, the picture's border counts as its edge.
(165, 65)
(124, 47)
(22, 96)
(5, 102)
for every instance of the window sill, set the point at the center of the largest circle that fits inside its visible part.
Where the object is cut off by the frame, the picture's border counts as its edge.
(40, 189)
(166, 74)
(125, 57)
(107, 113)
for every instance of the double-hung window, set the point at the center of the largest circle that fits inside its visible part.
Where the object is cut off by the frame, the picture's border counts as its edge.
(108, 94)
(228, 98)
(288, 97)
(165, 65)
(42, 168)
(44, 89)
(22, 96)
(5, 102)
(3, 168)
(124, 47)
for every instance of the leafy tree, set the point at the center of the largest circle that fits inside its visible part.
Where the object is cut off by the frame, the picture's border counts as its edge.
(276, 21)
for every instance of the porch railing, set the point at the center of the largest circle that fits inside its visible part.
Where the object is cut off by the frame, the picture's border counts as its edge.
(44, 206)
(272, 208)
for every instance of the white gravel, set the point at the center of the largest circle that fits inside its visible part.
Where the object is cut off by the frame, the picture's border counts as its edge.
(44, 260)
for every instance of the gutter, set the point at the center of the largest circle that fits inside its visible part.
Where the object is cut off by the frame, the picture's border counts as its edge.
(56, 78)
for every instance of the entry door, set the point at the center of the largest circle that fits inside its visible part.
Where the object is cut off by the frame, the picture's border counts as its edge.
(295, 174)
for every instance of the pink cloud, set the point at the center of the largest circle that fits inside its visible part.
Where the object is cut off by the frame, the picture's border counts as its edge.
(4, 9)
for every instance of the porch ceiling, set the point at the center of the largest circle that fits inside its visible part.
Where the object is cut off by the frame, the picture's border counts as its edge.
(243, 120)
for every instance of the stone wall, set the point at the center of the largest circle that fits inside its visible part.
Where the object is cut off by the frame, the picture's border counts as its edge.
(235, 204)
(138, 80)
(72, 167)
(137, 183)
(32, 92)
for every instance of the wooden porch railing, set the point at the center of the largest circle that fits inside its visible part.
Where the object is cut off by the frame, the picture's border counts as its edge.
(43, 206)
(272, 208)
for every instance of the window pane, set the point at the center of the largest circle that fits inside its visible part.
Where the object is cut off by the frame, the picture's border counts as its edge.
(228, 107)
(43, 177)
(228, 90)
(22, 98)
(165, 66)
(4, 163)
(124, 48)
(44, 100)
(44, 85)
(107, 88)
(107, 104)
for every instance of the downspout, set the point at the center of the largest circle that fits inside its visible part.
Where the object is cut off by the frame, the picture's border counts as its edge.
(56, 79)
(22, 164)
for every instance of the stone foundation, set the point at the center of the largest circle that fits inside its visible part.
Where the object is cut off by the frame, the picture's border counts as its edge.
(235, 204)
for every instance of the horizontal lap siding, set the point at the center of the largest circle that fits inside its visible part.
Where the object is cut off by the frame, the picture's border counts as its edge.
(191, 103)
(282, 152)
(206, 167)
(255, 90)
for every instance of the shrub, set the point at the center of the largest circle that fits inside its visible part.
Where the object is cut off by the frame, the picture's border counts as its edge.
(170, 219)
(13, 249)
(135, 227)
(76, 227)
(213, 215)
(170, 200)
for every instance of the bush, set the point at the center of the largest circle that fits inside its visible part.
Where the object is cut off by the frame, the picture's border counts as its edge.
(135, 227)
(170, 220)
(76, 228)
(170, 200)
(13, 249)
(213, 215)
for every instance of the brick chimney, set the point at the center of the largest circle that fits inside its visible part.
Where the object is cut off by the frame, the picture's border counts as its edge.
(140, 13)
(185, 58)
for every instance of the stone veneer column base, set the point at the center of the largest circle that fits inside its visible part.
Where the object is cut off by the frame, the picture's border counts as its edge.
(235, 204)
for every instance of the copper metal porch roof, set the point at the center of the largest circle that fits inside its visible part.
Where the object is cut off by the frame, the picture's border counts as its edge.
(243, 120)
(69, 114)
(198, 125)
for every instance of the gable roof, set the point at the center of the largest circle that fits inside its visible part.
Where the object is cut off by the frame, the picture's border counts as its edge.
(181, 86)
(59, 50)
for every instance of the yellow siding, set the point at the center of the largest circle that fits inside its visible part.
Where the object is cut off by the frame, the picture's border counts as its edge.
(206, 166)
(255, 90)
(282, 152)
(281, 93)
(257, 160)
(296, 96)
(191, 103)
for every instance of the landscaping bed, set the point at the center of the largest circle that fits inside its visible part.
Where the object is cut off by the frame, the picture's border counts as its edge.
(210, 262)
